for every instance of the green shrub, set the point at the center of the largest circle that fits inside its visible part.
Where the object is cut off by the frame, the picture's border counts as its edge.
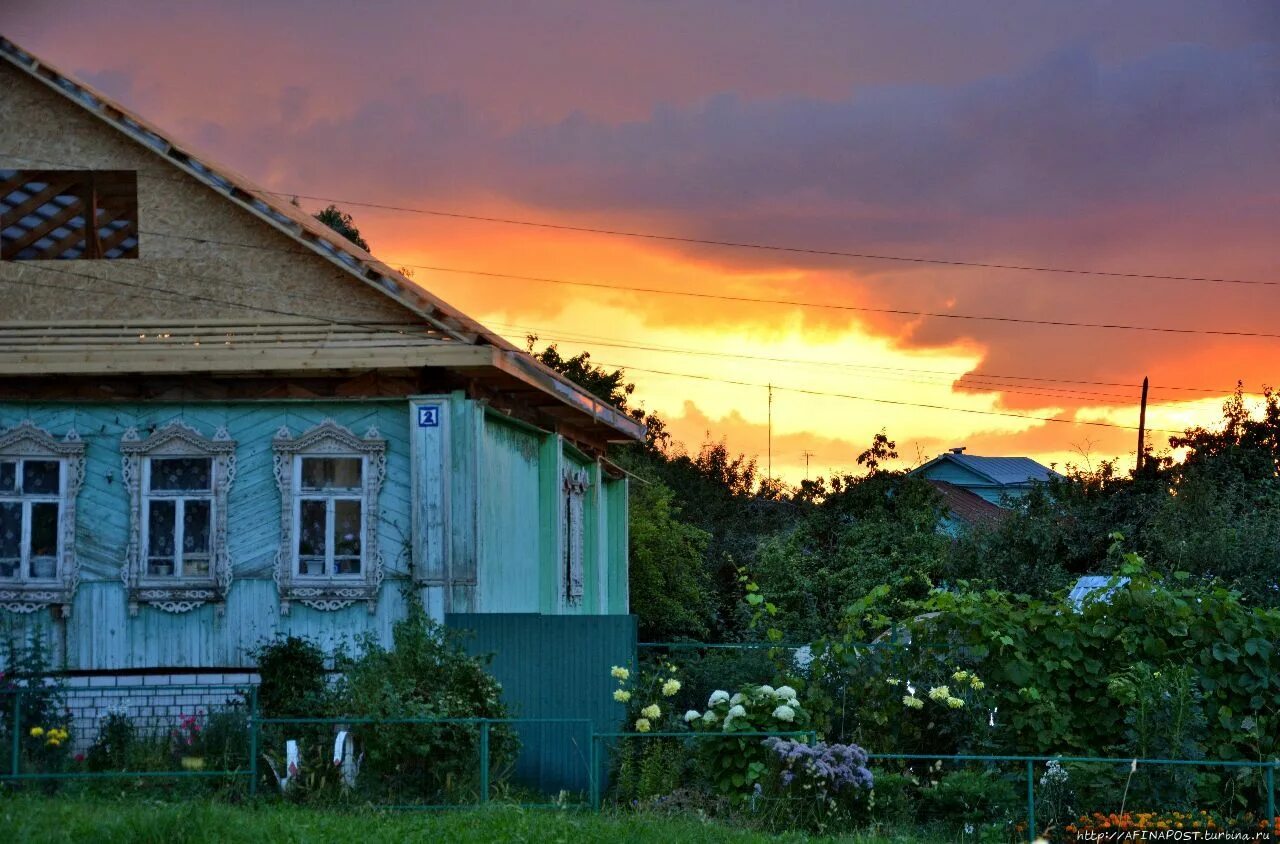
(975, 797)
(426, 674)
(293, 680)
(893, 799)
(117, 737)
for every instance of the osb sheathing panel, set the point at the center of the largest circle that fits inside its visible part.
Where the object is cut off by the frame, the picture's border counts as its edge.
(174, 277)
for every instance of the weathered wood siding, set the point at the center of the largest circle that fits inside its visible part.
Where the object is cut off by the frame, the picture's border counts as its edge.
(471, 514)
(101, 634)
(511, 510)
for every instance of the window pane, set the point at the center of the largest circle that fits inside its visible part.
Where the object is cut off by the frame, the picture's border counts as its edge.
(312, 531)
(10, 538)
(331, 472)
(160, 537)
(346, 529)
(40, 477)
(347, 565)
(195, 527)
(8, 475)
(191, 474)
(44, 529)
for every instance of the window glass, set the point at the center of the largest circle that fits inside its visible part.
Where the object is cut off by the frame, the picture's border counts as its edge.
(8, 475)
(331, 473)
(44, 529)
(161, 518)
(346, 536)
(40, 477)
(10, 538)
(182, 474)
(196, 517)
(313, 532)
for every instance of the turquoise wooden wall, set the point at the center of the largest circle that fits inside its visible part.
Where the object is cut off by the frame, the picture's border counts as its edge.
(101, 634)
(470, 518)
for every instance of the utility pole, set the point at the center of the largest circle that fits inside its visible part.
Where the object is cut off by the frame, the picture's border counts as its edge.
(807, 454)
(770, 463)
(1142, 426)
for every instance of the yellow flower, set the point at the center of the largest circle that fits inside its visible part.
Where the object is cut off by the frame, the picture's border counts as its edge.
(978, 685)
(622, 695)
(651, 711)
(619, 672)
(670, 687)
(54, 742)
(642, 725)
(36, 732)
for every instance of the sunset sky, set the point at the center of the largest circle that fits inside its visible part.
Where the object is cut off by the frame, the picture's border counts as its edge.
(1125, 137)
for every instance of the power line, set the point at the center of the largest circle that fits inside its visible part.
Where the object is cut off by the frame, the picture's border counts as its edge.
(834, 253)
(799, 390)
(895, 402)
(762, 301)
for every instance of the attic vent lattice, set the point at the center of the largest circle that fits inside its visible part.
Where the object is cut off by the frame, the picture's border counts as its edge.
(68, 214)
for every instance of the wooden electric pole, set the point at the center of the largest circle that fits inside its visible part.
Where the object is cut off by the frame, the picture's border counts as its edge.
(807, 454)
(1142, 426)
(770, 463)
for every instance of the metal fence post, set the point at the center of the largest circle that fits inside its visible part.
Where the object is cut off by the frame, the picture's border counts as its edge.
(17, 731)
(253, 742)
(484, 761)
(1271, 793)
(1031, 800)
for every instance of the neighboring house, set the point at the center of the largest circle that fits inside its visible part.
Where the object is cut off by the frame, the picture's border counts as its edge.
(963, 509)
(220, 421)
(998, 480)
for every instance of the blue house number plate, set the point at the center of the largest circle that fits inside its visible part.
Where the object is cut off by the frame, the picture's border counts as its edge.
(429, 416)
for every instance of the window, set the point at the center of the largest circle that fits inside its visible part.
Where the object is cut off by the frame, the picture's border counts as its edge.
(39, 480)
(329, 481)
(178, 481)
(576, 483)
(68, 214)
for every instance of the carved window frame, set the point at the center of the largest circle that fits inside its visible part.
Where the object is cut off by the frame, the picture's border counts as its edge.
(329, 593)
(573, 577)
(26, 440)
(170, 594)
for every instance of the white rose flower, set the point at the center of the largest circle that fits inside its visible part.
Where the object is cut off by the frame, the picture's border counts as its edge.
(784, 713)
(718, 696)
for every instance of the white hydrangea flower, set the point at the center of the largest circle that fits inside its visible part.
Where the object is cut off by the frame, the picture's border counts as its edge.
(736, 711)
(768, 690)
(786, 693)
(784, 713)
(736, 699)
(710, 717)
(718, 696)
(691, 716)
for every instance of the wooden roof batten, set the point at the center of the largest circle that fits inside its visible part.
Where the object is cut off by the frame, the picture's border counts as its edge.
(324, 242)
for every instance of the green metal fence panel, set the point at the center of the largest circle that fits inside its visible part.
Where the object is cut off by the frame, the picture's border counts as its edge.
(555, 667)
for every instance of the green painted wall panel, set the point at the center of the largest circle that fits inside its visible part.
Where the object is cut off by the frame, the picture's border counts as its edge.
(555, 667)
(510, 518)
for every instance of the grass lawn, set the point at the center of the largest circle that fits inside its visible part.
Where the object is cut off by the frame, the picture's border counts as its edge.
(33, 819)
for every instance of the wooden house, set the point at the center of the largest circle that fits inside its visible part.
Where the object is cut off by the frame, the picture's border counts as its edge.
(221, 421)
(998, 480)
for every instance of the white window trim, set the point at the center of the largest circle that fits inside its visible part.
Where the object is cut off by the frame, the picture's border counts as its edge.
(576, 483)
(176, 593)
(26, 441)
(328, 591)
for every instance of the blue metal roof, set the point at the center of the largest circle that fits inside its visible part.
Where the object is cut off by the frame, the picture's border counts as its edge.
(1094, 587)
(1004, 470)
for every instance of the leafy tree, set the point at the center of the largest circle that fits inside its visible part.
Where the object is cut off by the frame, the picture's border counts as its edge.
(669, 583)
(341, 222)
